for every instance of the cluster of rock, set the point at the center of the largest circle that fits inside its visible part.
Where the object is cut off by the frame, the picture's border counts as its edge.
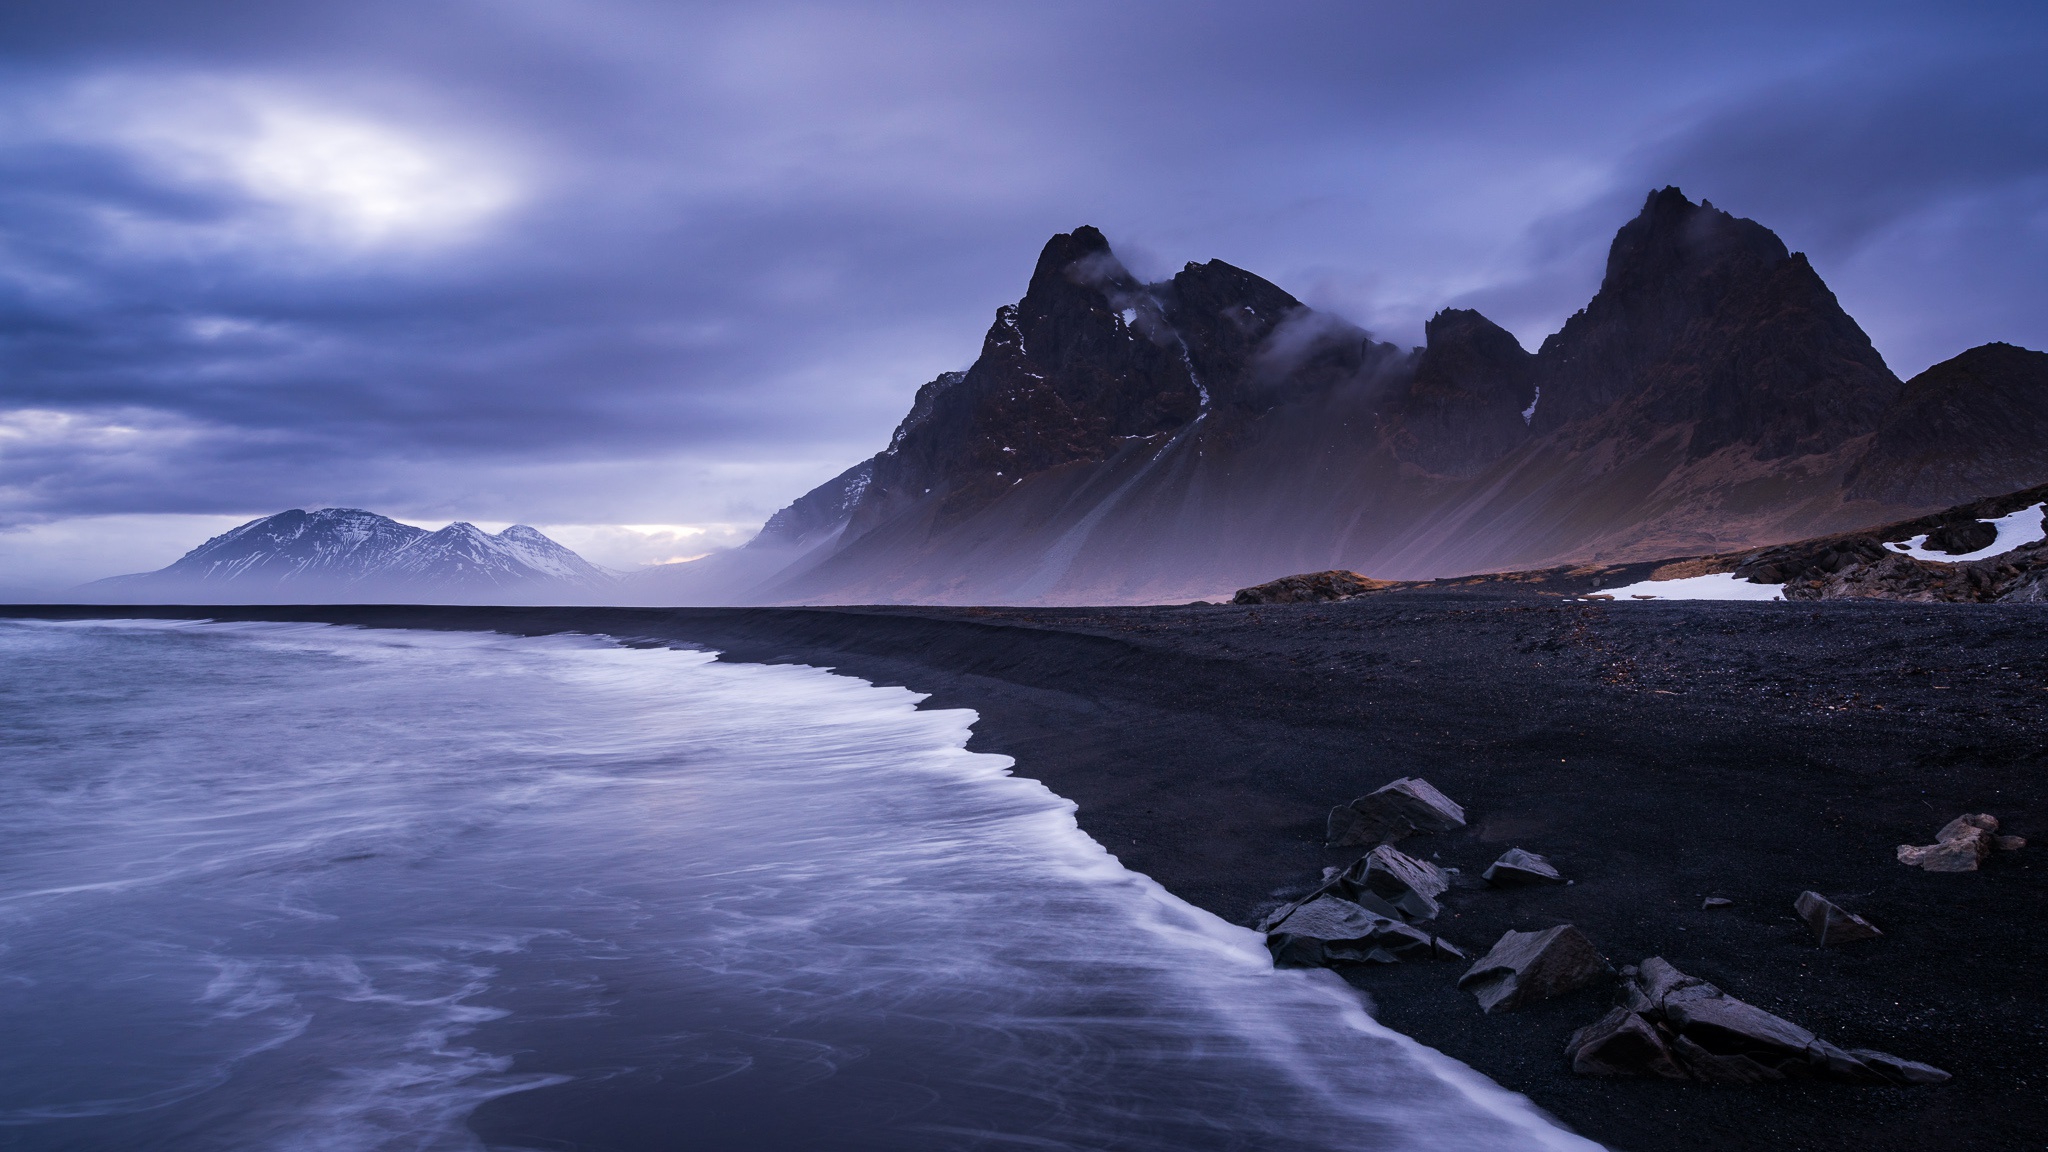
(1961, 845)
(1664, 1023)
(1369, 913)
(1377, 910)
(1310, 587)
(1671, 1025)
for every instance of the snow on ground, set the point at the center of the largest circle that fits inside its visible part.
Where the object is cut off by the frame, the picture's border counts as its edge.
(2021, 528)
(1719, 586)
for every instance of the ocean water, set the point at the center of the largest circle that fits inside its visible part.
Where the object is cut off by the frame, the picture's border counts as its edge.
(304, 887)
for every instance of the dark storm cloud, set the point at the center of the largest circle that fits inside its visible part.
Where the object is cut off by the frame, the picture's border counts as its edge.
(638, 263)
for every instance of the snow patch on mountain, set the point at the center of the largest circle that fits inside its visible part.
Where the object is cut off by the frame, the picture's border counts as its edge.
(352, 554)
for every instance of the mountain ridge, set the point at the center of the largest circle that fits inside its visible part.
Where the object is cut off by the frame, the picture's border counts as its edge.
(1122, 442)
(352, 554)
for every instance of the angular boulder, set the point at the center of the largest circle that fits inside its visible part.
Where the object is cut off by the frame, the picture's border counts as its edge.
(1524, 967)
(1516, 867)
(1328, 931)
(1622, 1043)
(1832, 924)
(1397, 880)
(1961, 845)
(1671, 1025)
(1405, 806)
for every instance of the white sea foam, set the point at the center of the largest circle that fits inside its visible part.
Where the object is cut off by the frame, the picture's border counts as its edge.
(353, 887)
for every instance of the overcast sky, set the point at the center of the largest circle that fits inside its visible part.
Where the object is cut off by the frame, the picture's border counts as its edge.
(640, 273)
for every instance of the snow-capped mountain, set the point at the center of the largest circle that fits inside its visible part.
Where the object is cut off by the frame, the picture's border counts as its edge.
(352, 555)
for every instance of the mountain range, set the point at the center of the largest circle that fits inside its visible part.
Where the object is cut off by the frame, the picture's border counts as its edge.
(1119, 441)
(349, 555)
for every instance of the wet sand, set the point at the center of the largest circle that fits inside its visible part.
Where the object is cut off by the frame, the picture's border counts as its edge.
(1658, 753)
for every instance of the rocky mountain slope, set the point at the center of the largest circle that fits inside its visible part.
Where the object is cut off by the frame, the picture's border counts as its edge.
(349, 555)
(1991, 550)
(1126, 442)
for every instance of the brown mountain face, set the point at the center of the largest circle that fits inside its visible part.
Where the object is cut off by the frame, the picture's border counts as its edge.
(1705, 322)
(1119, 441)
(1965, 425)
(1471, 400)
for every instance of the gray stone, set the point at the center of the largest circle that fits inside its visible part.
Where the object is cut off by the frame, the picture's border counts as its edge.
(1399, 884)
(1518, 867)
(1389, 813)
(1725, 1024)
(1900, 1071)
(1660, 981)
(1523, 967)
(1327, 930)
(1830, 924)
(1390, 872)
(1717, 1068)
(1961, 845)
(1622, 1043)
(1713, 902)
(1667, 1022)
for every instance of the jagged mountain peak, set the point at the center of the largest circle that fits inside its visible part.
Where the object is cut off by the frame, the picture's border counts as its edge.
(1117, 440)
(1707, 326)
(1473, 397)
(325, 544)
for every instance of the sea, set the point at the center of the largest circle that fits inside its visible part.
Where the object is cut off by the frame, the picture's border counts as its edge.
(278, 886)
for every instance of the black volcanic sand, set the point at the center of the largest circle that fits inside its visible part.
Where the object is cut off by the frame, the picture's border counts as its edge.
(1658, 753)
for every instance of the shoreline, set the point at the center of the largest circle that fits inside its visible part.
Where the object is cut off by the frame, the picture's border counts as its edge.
(1658, 753)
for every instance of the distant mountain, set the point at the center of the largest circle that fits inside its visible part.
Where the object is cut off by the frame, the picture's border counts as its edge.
(347, 554)
(1119, 441)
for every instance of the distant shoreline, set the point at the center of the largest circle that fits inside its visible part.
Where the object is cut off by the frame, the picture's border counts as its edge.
(1658, 753)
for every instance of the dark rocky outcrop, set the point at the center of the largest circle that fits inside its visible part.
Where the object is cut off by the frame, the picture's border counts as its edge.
(1868, 565)
(1523, 967)
(1309, 588)
(1831, 924)
(1393, 811)
(1961, 537)
(1670, 1025)
(1516, 867)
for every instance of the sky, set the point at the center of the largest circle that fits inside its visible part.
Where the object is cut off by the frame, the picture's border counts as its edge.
(641, 273)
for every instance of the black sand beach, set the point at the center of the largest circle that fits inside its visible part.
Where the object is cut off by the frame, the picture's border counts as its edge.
(1658, 753)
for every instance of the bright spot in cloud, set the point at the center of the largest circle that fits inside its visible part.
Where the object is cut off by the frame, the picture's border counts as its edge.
(338, 176)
